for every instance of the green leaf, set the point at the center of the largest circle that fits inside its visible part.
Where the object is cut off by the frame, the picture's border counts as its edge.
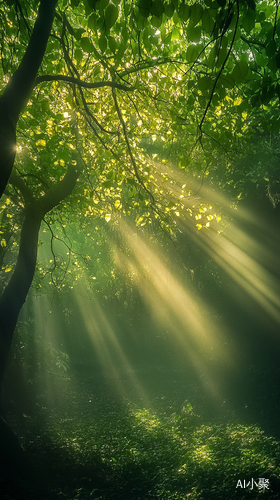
(277, 59)
(272, 65)
(205, 83)
(102, 4)
(261, 58)
(227, 81)
(255, 101)
(191, 100)
(240, 71)
(156, 21)
(222, 51)
(92, 22)
(108, 184)
(102, 42)
(169, 10)
(270, 49)
(78, 55)
(184, 12)
(144, 7)
(251, 4)
(195, 14)
(157, 8)
(268, 92)
(175, 35)
(111, 15)
(249, 19)
(211, 57)
(111, 176)
(207, 20)
(86, 45)
(171, 204)
(45, 105)
(78, 33)
(222, 93)
(194, 33)
(92, 4)
(192, 52)
(125, 34)
(112, 44)
(120, 53)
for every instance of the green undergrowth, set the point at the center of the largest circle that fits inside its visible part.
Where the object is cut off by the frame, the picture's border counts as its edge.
(141, 454)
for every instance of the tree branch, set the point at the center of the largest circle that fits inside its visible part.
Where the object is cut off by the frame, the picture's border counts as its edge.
(81, 83)
(119, 113)
(14, 295)
(219, 74)
(145, 65)
(61, 190)
(17, 181)
(21, 83)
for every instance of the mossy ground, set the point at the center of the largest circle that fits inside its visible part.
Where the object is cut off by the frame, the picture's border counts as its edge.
(104, 450)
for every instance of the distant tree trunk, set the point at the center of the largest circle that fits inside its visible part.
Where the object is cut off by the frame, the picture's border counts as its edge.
(19, 88)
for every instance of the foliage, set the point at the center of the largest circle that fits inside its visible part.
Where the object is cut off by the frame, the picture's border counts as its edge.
(127, 84)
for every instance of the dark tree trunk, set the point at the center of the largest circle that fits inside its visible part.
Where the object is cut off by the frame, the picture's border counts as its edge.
(17, 289)
(19, 88)
(12, 103)
(15, 293)
(12, 457)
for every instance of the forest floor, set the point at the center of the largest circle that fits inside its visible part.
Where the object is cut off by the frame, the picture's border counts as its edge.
(94, 440)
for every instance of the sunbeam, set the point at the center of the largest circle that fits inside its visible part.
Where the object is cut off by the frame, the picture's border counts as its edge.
(107, 347)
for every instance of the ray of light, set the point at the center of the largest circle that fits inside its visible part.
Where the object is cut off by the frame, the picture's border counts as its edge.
(183, 318)
(107, 346)
(195, 337)
(248, 260)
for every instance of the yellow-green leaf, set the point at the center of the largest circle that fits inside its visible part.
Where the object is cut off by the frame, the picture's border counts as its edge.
(41, 143)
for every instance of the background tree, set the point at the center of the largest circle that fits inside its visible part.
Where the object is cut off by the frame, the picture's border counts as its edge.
(96, 90)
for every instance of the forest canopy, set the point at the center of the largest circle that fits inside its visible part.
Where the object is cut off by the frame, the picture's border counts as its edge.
(125, 95)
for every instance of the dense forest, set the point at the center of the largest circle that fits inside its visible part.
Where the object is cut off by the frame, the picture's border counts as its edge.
(139, 249)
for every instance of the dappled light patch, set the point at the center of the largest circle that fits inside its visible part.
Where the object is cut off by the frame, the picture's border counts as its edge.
(140, 453)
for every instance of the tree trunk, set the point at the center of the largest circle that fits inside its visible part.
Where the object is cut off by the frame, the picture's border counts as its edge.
(15, 294)
(16, 291)
(12, 458)
(19, 88)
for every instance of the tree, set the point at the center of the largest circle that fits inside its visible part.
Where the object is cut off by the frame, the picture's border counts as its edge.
(98, 92)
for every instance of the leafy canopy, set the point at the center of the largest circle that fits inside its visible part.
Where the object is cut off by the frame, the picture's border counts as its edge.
(135, 93)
